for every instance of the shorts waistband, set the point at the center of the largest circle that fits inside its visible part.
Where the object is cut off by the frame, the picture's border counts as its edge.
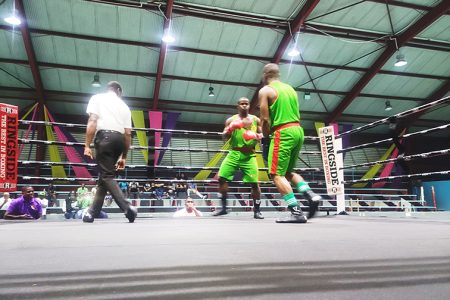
(108, 131)
(244, 149)
(286, 125)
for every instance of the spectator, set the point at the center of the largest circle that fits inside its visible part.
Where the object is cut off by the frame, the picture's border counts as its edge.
(70, 211)
(44, 203)
(51, 195)
(108, 199)
(25, 207)
(4, 203)
(189, 210)
(192, 188)
(81, 192)
(5, 200)
(134, 189)
(94, 190)
(123, 185)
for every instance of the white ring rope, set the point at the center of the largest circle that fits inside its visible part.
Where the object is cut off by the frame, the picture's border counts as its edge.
(404, 158)
(177, 131)
(399, 115)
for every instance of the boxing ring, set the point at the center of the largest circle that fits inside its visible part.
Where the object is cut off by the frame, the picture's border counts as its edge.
(384, 254)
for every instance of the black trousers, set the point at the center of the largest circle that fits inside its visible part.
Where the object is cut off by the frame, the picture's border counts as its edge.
(109, 145)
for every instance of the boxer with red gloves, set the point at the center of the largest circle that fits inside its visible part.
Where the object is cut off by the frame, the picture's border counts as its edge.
(244, 132)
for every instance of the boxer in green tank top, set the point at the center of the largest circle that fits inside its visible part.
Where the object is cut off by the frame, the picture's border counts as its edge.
(280, 116)
(244, 132)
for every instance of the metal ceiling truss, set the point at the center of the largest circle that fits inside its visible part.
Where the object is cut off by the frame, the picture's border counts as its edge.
(392, 47)
(223, 54)
(250, 85)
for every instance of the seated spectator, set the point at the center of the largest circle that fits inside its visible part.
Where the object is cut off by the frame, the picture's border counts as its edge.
(51, 195)
(25, 207)
(5, 200)
(189, 210)
(134, 189)
(123, 185)
(82, 191)
(44, 203)
(4, 203)
(108, 199)
(192, 188)
(70, 211)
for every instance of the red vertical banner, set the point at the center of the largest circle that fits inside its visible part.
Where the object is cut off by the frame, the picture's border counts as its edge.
(9, 124)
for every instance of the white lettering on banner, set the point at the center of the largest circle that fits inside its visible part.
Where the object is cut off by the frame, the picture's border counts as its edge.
(330, 166)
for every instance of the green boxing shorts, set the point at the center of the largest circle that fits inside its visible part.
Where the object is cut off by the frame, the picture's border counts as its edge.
(236, 160)
(284, 149)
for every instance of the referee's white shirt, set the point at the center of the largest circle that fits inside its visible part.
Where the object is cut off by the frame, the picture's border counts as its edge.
(112, 112)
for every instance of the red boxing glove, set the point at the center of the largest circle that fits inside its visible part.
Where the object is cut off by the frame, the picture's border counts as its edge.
(251, 135)
(236, 124)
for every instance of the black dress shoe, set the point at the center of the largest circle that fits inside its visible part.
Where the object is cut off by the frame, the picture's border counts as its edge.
(131, 214)
(257, 215)
(221, 212)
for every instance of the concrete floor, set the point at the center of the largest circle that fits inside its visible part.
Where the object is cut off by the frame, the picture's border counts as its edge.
(231, 257)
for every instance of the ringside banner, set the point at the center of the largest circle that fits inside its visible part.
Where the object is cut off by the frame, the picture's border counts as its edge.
(9, 121)
(330, 161)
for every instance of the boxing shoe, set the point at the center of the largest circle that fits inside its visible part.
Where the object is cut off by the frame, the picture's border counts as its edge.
(257, 215)
(313, 201)
(131, 214)
(296, 216)
(221, 212)
(87, 217)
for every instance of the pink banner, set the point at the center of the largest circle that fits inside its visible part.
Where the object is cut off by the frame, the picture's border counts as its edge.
(72, 155)
(386, 171)
(155, 118)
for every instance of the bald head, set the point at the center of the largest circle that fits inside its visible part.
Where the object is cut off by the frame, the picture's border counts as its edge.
(270, 72)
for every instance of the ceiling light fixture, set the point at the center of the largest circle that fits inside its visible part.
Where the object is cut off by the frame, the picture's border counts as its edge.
(211, 91)
(307, 96)
(96, 82)
(401, 61)
(294, 52)
(388, 106)
(168, 38)
(13, 19)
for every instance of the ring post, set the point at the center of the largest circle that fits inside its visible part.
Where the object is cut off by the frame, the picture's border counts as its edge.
(9, 120)
(332, 166)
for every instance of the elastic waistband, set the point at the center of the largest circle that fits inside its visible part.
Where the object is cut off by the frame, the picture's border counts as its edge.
(286, 125)
(244, 149)
(108, 131)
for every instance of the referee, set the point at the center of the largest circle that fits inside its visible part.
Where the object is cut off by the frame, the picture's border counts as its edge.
(110, 123)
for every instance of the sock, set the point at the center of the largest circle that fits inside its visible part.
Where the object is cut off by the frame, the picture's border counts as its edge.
(256, 204)
(224, 200)
(290, 199)
(302, 187)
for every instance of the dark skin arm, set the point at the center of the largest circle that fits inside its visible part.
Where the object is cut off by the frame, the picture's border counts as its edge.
(265, 95)
(225, 133)
(17, 217)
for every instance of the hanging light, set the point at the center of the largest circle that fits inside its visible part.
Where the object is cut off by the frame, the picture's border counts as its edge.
(293, 51)
(307, 96)
(168, 38)
(401, 61)
(211, 92)
(388, 106)
(13, 19)
(96, 82)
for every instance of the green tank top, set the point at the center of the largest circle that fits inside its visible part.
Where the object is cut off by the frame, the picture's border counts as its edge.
(285, 109)
(237, 140)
